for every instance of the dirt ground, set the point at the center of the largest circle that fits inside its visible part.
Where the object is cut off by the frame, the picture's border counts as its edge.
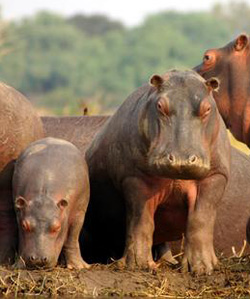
(232, 279)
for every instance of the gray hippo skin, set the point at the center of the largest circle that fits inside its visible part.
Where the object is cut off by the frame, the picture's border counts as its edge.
(19, 126)
(80, 130)
(164, 157)
(51, 194)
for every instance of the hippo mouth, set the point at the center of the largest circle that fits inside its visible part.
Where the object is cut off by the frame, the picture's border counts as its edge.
(27, 263)
(181, 170)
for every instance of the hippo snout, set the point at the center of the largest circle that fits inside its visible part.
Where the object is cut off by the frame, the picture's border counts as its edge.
(34, 261)
(177, 162)
(190, 166)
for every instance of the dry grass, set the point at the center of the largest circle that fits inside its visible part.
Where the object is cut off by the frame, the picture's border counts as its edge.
(232, 279)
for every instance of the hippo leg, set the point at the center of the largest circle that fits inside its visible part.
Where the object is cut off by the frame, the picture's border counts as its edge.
(71, 247)
(8, 228)
(199, 251)
(140, 226)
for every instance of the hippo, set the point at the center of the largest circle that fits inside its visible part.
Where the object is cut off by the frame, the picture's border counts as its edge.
(231, 65)
(155, 166)
(19, 126)
(51, 194)
(80, 130)
(234, 207)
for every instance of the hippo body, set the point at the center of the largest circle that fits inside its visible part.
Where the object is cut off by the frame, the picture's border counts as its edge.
(231, 65)
(234, 206)
(161, 157)
(19, 126)
(51, 194)
(80, 130)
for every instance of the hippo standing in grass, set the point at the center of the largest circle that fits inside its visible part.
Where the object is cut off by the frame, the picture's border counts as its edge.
(19, 126)
(164, 157)
(51, 194)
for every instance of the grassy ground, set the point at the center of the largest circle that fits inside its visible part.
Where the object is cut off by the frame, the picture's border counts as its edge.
(232, 279)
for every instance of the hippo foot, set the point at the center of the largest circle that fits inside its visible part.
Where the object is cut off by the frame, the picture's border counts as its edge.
(77, 263)
(199, 262)
(129, 264)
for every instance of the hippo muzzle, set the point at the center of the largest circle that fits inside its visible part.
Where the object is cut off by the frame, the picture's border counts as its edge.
(178, 167)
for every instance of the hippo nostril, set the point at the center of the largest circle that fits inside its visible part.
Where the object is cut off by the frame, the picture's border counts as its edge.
(44, 259)
(192, 159)
(32, 258)
(171, 158)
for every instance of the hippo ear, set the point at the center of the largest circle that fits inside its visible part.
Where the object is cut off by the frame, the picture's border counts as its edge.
(241, 42)
(63, 203)
(156, 81)
(20, 202)
(213, 84)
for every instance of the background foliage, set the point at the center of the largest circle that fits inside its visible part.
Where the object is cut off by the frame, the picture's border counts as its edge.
(64, 64)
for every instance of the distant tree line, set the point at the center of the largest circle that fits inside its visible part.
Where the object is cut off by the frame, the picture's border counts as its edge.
(64, 64)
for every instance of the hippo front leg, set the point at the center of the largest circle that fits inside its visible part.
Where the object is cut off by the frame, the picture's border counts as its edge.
(71, 248)
(199, 252)
(139, 224)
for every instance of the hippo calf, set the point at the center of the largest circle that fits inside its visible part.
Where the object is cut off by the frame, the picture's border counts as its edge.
(164, 158)
(51, 194)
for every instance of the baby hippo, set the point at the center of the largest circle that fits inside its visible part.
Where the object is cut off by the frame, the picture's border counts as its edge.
(51, 195)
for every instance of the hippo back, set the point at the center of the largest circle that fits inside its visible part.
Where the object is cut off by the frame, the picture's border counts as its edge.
(71, 128)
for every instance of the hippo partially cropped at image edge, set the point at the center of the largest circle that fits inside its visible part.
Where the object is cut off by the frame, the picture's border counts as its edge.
(19, 126)
(231, 65)
(51, 195)
(164, 157)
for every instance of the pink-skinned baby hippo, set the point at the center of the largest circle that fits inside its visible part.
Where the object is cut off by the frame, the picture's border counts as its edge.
(51, 194)
(231, 65)
(159, 167)
(19, 126)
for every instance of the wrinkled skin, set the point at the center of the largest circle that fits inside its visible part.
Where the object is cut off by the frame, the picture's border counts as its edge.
(161, 157)
(51, 194)
(231, 65)
(19, 126)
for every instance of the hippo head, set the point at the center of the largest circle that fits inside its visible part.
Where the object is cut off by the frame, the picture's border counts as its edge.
(42, 230)
(180, 124)
(230, 64)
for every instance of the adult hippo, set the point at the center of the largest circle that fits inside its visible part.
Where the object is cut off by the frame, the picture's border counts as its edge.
(80, 130)
(51, 194)
(164, 156)
(231, 65)
(19, 126)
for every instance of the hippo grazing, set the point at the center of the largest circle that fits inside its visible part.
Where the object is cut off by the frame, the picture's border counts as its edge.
(51, 194)
(231, 65)
(19, 126)
(164, 156)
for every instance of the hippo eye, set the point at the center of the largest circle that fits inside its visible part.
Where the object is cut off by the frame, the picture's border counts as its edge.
(62, 204)
(26, 226)
(208, 58)
(162, 106)
(55, 227)
(205, 110)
